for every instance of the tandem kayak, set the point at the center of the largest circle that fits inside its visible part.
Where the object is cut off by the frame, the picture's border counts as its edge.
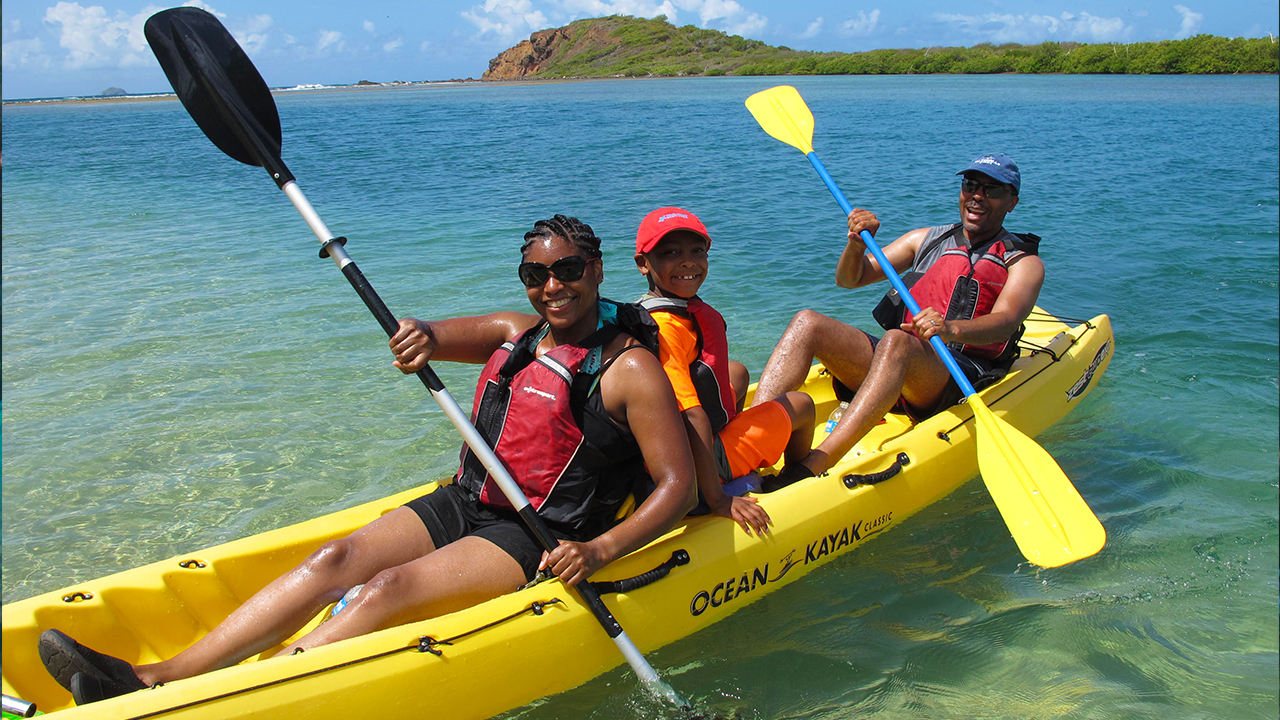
(153, 612)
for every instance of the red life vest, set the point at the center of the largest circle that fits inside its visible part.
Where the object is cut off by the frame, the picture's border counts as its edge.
(710, 369)
(964, 285)
(546, 422)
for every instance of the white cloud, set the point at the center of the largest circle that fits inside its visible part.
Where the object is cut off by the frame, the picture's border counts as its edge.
(814, 28)
(252, 33)
(575, 9)
(1003, 28)
(330, 39)
(1190, 21)
(862, 25)
(25, 54)
(393, 46)
(369, 28)
(93, 39)
(726, 15)
(505, 20)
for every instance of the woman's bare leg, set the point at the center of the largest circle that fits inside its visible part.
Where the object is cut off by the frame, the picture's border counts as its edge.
(461, 574)
(289, 602)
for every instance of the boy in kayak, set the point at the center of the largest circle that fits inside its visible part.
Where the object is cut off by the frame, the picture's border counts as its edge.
(983, 277)
(571, 403)
(671, 252)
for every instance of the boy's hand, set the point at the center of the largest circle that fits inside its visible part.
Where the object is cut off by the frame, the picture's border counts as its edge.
(744, 511)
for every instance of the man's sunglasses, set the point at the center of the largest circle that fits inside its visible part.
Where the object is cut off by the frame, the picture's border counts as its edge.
(566, 269)
(995, 191)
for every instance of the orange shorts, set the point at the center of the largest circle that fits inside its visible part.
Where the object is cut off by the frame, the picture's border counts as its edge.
(756, 437)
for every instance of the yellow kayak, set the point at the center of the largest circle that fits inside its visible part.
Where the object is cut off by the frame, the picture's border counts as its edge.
(153, 612)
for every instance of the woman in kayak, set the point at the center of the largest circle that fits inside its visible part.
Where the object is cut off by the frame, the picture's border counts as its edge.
(463, 544)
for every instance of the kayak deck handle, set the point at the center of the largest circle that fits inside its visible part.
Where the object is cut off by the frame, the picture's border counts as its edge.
(852, 481)
(679, 557)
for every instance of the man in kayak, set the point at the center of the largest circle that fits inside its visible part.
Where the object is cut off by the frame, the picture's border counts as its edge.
(984, 278)
(671, 252)
(463, 544)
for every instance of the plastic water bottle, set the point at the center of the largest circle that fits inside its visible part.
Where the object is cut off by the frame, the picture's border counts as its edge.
(351, 595)
(835, 416)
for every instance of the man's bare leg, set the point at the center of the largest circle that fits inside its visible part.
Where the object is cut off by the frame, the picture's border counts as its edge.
(902, 366)
(844, 350)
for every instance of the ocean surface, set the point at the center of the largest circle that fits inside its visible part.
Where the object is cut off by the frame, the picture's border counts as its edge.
(180, 369)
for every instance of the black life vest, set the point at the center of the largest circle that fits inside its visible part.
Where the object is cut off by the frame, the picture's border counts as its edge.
(546, 422)
(710, 369)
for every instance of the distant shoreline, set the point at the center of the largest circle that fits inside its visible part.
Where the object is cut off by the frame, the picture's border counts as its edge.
(154, 97)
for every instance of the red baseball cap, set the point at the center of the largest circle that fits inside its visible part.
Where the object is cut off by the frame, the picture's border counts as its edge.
(658, 223)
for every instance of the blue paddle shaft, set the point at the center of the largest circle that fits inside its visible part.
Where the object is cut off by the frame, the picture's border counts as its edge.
(889, 272)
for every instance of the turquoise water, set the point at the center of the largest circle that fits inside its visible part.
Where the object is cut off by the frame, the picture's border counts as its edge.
(179, 369)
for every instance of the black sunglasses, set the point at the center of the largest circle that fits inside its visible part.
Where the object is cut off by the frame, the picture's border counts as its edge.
(566, 269)
(995, 191)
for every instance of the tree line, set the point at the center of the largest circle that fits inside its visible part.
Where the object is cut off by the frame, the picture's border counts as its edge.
(1202, 54)
(623, 46)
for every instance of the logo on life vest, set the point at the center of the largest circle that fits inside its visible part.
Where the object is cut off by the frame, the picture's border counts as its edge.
(1078, 389)
(536, 391)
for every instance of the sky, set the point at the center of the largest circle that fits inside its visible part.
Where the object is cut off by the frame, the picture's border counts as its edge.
(58, 49)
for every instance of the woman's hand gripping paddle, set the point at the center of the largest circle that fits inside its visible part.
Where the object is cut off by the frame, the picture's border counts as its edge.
(228, 99)
(1049, 520)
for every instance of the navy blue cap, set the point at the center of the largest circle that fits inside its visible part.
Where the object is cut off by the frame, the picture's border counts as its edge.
(998, 166)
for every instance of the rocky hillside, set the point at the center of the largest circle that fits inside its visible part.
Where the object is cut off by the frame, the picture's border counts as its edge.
(622, 46)
(626, 46)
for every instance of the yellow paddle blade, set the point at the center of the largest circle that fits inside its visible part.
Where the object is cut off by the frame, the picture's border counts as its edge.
(782, 113)
(1049, 520)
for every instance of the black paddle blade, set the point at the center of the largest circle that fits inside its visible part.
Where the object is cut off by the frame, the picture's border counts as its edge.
(219, 86)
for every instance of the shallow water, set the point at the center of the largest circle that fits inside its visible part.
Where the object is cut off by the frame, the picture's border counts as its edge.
(179, 369)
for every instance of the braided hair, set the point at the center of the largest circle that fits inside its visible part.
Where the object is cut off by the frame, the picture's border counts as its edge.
(569, 228)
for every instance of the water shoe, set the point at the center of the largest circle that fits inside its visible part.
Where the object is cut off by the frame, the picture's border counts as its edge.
(63, 657)
(86, 688)
(793, 473)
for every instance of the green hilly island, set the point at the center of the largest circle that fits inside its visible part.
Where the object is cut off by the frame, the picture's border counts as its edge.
(624, 46)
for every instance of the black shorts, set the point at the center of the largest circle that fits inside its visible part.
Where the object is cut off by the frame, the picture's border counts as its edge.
(451, 513)
(978, 371)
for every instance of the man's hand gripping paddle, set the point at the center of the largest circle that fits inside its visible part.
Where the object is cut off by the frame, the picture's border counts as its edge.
(1049, 520)
(228, 99)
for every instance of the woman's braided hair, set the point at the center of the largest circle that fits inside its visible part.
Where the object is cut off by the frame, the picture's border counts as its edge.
(569, 228)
